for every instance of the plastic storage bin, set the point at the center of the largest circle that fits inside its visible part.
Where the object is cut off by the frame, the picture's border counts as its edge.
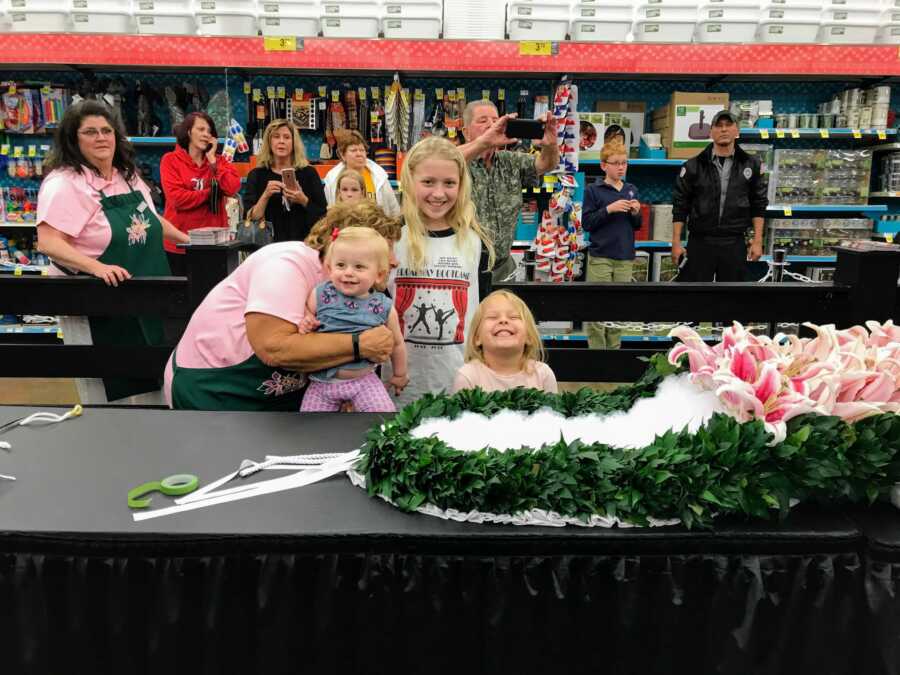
(214, 6)
(39, 21)
(538, 29)
(664, 31)
(414, 9)
(351, 8)
(419, 28)
(726, 31)
(474, 20)
(162, 6)
(349, 26)
(298, 20)
(845, 32)
(775, 30)
(728, 12)
(96, 5)
(227, 24)
(166, 23)
(552, 10)
(666, 11)
(25, 5)
(888, 33)
(96, 21)
(794, 11)
(859, 14)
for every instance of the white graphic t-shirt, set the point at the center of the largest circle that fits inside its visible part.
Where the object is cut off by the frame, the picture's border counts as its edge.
(435, 306)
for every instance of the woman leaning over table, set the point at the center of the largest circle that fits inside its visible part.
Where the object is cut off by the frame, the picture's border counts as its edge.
(95, 216)
(292, 212)
(243, 349)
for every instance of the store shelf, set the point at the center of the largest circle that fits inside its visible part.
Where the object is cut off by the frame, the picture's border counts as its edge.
(827, 208)
(6, 223)
(805, 258)
(651, 243)
(885, 195)
(638, 162)
(756, 133)
(156, 140)
(27, 329)
(458, 56)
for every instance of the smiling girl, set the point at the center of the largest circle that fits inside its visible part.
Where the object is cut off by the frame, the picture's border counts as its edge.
(504, 350)
(444, 265)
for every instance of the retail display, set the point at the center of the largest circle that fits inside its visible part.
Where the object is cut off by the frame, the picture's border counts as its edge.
(814, 236)
(820, 177)
(684, 122)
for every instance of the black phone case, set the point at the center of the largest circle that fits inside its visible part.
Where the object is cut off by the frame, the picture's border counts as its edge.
(524, 128)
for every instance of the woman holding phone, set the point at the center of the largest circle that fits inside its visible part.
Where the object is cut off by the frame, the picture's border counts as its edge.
(283, 188)
(195, 182)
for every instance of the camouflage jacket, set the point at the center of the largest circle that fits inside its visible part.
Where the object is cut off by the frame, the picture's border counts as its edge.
(498, 195)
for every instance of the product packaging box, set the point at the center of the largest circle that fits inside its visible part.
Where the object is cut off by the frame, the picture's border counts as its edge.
(627, 114)
(684, 124)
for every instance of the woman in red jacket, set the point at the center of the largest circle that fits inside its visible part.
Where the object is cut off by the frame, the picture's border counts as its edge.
(188, 174)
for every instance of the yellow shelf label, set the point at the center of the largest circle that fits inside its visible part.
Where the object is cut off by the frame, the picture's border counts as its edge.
(536, 48)
(280, 44)
(32, 151)
(501, 94)
(270, 92)
(795, 133)
(779, 133)
(45, 89)
(18, 151)
(12, 89)
(823, 133)
(4, 149)
(763, 133)
(881, 135)
(856, 133)
(788, 211)
(17, 272)
(439, 93)
(323, 91)
(362, 94)
(335, 96)
(485, 94)
(282, 92)
(247, 88)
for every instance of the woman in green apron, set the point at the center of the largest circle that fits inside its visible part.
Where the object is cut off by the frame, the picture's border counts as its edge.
(95, 216)
(249, 342)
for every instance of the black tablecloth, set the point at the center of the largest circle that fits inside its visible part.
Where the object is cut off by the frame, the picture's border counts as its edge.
(325, 579)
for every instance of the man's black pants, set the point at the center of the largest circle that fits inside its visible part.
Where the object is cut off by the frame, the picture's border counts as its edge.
(715, 258)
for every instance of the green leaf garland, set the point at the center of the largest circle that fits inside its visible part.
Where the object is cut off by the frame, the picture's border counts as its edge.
(725, 468)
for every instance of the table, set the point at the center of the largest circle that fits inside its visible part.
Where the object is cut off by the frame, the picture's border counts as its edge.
(324, 579)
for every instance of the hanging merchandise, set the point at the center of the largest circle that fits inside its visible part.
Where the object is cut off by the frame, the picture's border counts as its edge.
(303, 111)
(251, 117)
(377, 118)
(350, 105)
(175, 104)
(565, 103)
(365, 123)
(338, 115)
(452, 116)
(522, 104)
(219, 109)
(541, 105)
(501, 102)
(560, 235)
(418, 124)
(397, 113)
(259, 106)
(435, 124)
(235, 142)
(148, 123)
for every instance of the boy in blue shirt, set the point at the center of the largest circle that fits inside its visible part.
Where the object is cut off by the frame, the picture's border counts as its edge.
(611, 214)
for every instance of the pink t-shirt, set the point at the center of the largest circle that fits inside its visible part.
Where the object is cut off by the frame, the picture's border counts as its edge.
(69, 201)
(477, 374)
(274, 280)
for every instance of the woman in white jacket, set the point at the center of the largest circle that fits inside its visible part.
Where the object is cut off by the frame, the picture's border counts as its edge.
(353, 150)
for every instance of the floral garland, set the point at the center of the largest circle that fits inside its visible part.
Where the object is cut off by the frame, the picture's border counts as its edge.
(808, 419)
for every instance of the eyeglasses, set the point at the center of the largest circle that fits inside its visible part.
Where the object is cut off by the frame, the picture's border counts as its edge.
(93, 133)
(622, 163)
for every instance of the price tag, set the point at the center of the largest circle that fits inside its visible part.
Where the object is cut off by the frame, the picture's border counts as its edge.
(362, 94)
(247, 88)
(257, 95)
(335, 96)
(451, 95)
(788, 211)
(281, 92)
(323, 91)
(764, 133)
(779, 133)
(376, 93)
(281, 44)
(536, 48)
(270, 92)
(856, 133)
(501, 94)
(32, 151)
(17, 272)
(45, 89)
(439, 93)
(536, 190)
(485, 94)
(18, 151)
(298, 94)
(881, 135)
(12, 88)
(45, 149)
(461, 93)
(373, 116)
(419, 95)
(823, 133)
(795, 133)
(4, 149)
(451, 132)
(46, 273)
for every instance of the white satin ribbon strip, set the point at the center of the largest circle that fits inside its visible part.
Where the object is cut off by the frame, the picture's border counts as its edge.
(210, 497)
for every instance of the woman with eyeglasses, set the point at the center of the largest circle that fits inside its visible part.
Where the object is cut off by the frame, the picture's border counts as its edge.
(195, 182)
(611, 214)
(95, 216)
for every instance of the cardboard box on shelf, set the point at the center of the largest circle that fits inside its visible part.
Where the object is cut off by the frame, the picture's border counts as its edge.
(593, 126)
(627, 114)
(684, 124)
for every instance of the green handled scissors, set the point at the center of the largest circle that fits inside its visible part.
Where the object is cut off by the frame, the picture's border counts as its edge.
(172, 486)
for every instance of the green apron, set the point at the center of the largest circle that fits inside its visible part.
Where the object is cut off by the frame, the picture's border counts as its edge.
(251, 385)
(136, 244)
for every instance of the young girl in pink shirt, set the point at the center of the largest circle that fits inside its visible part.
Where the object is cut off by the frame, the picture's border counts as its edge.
(504, 350)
